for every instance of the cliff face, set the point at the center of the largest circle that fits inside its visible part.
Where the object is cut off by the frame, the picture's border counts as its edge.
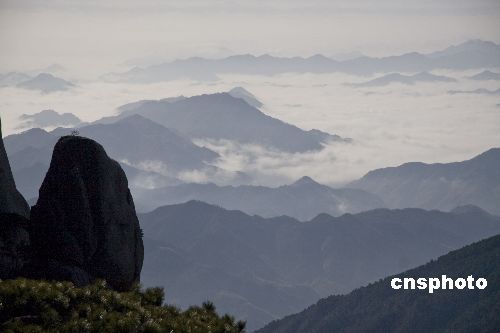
(14, 214)
(11, 201)
(84, 225)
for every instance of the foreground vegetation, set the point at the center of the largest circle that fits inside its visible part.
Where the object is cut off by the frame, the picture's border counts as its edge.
(42, 306)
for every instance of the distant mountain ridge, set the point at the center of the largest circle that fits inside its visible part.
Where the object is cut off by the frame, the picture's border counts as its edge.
(46, 83)
(440, 186)
(378, 308)
(263, 269)
(13, 78)
(485, 75)
(404, 79)
(221, 116)
(303, 199)
(480, 91)
(468, 55)
(49, 118)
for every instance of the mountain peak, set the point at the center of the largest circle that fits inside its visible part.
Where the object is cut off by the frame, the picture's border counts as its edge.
(306, 180)
(46, 83)
(319, 57)
(242, 93)
(470, 46)
(485, 75)
(45, 76)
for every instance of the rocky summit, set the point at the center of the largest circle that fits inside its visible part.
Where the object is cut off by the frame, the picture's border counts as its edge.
(14, 214)
(84, 225)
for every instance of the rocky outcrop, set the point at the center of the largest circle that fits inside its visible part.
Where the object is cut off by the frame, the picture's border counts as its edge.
(14, 214)
(84, 225)
(11, 201)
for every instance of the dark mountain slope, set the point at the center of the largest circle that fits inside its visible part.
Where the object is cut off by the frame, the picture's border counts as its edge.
(379, 308)
(270, 266)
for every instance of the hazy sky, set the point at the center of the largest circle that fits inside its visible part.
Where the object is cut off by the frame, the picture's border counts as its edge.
(95, 36)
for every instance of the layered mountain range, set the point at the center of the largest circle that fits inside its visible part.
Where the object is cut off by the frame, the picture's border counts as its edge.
(262, 269)
(280, 251)
(300, 257)
(303, 199)
(147, 150)
(225, 117)
(153, 154)
(42, 82)
(155, 158)
(469, 55)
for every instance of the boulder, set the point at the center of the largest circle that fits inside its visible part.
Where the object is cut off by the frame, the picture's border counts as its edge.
(14, 214)
(84, 225)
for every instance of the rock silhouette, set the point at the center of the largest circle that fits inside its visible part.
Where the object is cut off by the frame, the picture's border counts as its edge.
(84, 224)
(11, 201)
(14, 214)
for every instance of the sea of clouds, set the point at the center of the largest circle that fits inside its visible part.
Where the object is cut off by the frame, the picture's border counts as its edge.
(389, 125)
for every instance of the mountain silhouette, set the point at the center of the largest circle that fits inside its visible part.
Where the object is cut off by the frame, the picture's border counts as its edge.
(48, 118)
(303, 199)
(404, 79)
(147, 147)
(468, 55)
(14, 215)
(262, 269)
(485, 75)
(480, 91)
(224, 117)
(13, 78)
(378, 308)
(46, 83)
(438, 186)
(240, 92)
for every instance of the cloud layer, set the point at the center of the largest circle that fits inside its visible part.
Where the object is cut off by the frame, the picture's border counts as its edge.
(390, 125)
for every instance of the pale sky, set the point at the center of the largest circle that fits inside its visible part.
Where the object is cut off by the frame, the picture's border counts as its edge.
(97, 36)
